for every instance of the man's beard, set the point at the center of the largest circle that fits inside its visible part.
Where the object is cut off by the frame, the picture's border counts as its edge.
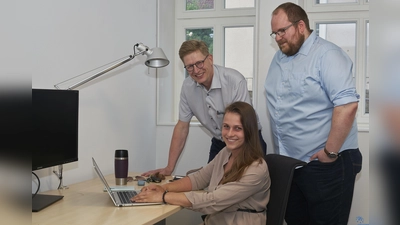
(293, 47)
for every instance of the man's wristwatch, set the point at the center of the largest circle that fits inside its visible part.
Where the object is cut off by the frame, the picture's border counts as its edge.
(332, 155)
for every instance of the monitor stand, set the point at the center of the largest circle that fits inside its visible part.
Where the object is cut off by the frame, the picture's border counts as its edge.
(40, 201)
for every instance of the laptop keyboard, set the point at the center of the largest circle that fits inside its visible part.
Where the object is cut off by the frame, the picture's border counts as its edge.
(125, 196)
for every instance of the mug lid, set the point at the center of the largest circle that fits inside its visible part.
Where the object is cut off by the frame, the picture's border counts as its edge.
(121, 153)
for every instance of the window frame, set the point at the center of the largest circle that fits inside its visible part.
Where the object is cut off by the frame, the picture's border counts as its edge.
(218, 12)
(311, 7)
(348, 12)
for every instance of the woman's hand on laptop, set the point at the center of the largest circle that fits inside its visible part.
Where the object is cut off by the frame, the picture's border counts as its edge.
(153, 187)
(150, 193)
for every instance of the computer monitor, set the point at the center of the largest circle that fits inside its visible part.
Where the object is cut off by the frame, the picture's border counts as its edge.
(55, 133)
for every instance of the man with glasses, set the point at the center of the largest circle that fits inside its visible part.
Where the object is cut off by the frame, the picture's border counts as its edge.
(312, 102)
(205, 95)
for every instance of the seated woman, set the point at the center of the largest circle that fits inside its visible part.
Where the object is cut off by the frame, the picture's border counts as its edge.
(237, 179)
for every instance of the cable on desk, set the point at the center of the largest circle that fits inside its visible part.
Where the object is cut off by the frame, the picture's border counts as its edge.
(59, 175)
(37, 190)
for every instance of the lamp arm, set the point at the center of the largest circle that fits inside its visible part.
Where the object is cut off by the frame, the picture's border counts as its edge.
(155, 59)
(100, 72)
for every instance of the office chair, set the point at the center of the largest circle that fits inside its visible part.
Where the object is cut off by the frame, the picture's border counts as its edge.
(281, 170)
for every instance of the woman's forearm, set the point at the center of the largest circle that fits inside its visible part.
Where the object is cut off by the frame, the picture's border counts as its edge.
(181, 185)
(177, 198)
(170, 193)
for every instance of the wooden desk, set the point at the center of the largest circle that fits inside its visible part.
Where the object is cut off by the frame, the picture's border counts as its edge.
(87, 203)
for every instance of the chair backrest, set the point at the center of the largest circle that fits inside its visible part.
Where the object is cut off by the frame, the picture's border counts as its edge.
(281, 169)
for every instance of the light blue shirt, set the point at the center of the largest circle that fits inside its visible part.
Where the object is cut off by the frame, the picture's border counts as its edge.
(302, 91)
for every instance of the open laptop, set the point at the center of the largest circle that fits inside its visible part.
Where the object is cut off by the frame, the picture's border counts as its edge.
(120, 197)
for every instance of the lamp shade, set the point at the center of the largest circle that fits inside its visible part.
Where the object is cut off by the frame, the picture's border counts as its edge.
(156, 58)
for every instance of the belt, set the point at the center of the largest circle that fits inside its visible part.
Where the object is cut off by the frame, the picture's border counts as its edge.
(250, 210)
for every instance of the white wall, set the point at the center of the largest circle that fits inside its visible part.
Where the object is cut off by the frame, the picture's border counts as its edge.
(62, 39)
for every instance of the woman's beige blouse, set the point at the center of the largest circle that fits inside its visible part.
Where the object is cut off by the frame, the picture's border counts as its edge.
(221, 202)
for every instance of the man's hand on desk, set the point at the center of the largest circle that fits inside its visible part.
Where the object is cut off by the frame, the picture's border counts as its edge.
(164, 171)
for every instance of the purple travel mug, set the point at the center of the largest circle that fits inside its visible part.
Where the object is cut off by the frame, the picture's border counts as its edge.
(121, 167)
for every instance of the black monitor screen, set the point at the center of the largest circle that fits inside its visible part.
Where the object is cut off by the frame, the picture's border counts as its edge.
(55, 127)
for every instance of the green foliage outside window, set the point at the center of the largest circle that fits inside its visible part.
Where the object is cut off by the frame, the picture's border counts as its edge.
(199, 4)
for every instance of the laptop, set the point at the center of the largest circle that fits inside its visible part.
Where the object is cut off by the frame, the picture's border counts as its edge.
(121, 198)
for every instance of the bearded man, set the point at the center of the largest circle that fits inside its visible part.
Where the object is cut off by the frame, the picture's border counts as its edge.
(312, 102)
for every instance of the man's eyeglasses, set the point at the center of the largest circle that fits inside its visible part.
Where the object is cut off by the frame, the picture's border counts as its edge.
(198, 64)
(282, 31)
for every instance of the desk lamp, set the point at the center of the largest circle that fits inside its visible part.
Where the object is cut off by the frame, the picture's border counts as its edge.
(155, 59)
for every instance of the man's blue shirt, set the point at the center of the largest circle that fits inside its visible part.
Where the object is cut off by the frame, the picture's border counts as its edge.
(302, 91)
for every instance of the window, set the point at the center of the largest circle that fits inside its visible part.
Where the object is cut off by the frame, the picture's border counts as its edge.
(243, 60)
(209, 4)
(228, 29)
(199, 4)
(346, 23)
(334, 1)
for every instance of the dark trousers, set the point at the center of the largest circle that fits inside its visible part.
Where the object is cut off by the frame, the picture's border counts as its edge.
(322, 193)
(217, 145)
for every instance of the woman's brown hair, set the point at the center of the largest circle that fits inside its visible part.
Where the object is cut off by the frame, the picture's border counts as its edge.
(251, 150)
